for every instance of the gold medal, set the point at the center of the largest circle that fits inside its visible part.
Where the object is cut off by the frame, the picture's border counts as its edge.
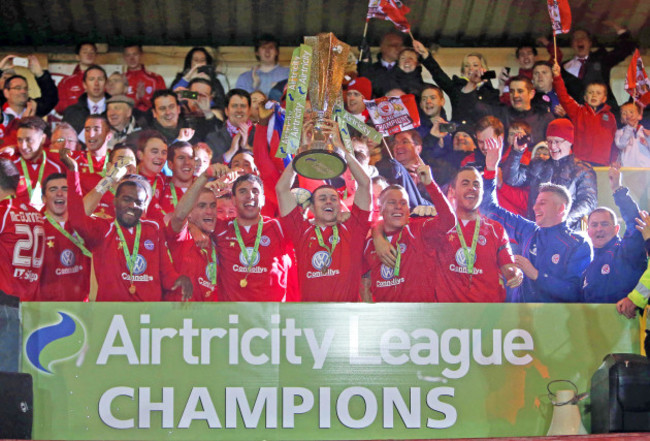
(132, 289)
(243, 283)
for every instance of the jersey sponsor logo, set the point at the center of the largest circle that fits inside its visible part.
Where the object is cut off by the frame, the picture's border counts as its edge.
(67, 258)
(605, 269)
(148, 244)
(249, 251)
(461, 260)
(265, 241)
(25, 274)
(555, 259)
(482, 240)
(140, 265)
(386, 272)
(320, 260)
(69, 336)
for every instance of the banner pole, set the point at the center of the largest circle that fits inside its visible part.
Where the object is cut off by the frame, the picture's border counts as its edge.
(383, 140)
(365, 31)
(555, 47)
(412, 37)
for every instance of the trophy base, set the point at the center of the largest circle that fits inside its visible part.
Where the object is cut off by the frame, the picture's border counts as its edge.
(319, 164)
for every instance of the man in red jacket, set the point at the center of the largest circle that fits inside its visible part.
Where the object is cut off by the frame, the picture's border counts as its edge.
(142, 83)
(72, 86)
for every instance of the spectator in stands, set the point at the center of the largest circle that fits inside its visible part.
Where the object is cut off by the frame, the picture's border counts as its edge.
(545, 97)
(16, 91)
(238, 121)
(472, 96)
(66, 262)
(595, 125)
(637, 300)
(64, 136)
(412, 242)
(13, 283)
(119, 111)
(390, 47)
(264, 76)
(407, 75)
(202, 106)
(200, 64)
(71, 87)
(406, 147)
(117, 84)
(328, 252)
(167, 121)
(359, 89)
(142, 83)
(435, 142)
(541, 152)
(588, 67)
(203, 155)
(563, 169)
(633, 143)
(618, 263)
(553, 256)
(91, 102)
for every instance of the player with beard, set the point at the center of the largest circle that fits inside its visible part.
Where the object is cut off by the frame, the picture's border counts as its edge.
(66, 265)
(476, 253)
(328, 252)
(411, 274)
(198, 207)
(130, 252)
(251, 249)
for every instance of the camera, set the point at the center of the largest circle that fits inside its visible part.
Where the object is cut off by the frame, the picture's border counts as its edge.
(489, 75)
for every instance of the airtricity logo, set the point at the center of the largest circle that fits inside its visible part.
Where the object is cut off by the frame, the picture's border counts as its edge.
(55, 343)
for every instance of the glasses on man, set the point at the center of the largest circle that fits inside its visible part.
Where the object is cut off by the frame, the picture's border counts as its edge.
(20, 88)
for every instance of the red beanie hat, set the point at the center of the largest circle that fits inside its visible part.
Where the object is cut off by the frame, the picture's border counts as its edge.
(361, 85)
(562, 128)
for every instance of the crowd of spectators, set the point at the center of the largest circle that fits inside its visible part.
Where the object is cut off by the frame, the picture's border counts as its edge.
(176, 194)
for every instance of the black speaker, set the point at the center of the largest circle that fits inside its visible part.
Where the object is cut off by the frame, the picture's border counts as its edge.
(620, 395)
(16, 405)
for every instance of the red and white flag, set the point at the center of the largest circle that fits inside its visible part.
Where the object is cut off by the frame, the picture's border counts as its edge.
(393, 114)
(637, 83)
(392, 10)
(560, 13)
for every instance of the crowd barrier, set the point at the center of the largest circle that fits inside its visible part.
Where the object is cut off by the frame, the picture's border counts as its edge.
(307, 371)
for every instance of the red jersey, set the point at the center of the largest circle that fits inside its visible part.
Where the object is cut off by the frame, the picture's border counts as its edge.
(193, 262)
(492, 252)
(66, 270)
(70, 89)
(105, 209)
(22, 242)
(153, 270)
(51, 165)
(267, 279)
(151, 82)
(169, 198)
(341, 280)
(96, 165)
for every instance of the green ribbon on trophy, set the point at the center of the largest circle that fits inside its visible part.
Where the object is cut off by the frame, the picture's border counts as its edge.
(364, 129)
(297, 87)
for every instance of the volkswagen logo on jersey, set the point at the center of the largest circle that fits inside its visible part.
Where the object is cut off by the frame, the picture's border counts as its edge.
(555, 259)
(67, 258)
(481, 240)
(387, 272)
(140, 265)
(265, 241)
(211, 270)
(148, 245)
(460, 257)
(605, 269)
(321, 260)
(249, 250)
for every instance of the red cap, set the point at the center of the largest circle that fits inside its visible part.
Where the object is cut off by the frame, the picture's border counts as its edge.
(562, 128)
(361, 85)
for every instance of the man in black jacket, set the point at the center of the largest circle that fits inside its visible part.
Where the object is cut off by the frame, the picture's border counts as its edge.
(378, 73)
(91, 102)
(16, 92)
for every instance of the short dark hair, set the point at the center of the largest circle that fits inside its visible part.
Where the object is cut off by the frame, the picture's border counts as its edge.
(99, 116)
(128, 45)
(162, 93)
(524, 44)
(559, 190)
(200, 81)
(9, 175)
(428, 86)
(81, 44)
(490, 121)
(248, 177)
(237, 92)
(322, 187)
(147, 134)
(136, 181)
(607, 210)
(523, 125)
(543, 63)
(452, 183)
(389, 188)
(264, 39)
(94, 67)
(523, 79)
(188, 58)
(32, 122)
(51, 177)
(13, 77)
(176, 145)
(120, 146)
(597, 83)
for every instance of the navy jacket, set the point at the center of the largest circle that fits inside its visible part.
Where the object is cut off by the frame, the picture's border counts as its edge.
(559, 254)
(618, 266)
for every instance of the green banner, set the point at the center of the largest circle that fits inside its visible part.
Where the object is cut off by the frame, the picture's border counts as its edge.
(291, 371)
(363, 128)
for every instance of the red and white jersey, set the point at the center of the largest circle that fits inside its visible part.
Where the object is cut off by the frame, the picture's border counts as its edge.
(106, 208)
(153, 270)
(492, 252)
(52, 165)
(157, 183)
(193, 262)
(150, 81)
(66, 270)
(22, 242)
(98, 163)
(70, 89)
(267, 279)
(325, 279)
(166, 200)
(418, 267)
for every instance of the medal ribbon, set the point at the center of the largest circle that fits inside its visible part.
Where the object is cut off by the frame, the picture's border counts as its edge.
(249, 259)
(470, 254)
(28, 180)
(213, 275)
(398, 259)
(172, 187)
(92, 167)
(335, 240)
(130, 258)
(79, 242)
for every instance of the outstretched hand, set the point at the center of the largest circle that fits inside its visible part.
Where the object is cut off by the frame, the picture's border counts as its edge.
(493, 153)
